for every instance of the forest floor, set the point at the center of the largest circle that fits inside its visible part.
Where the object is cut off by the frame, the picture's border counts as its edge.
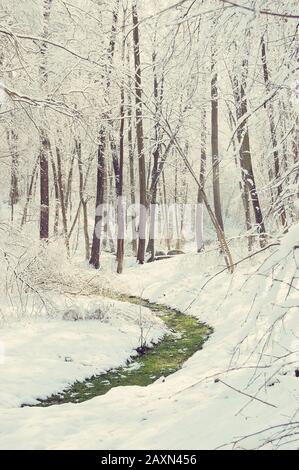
(242, 383)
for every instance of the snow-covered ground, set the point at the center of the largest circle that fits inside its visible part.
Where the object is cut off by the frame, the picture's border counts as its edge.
(41, 356)
(254, 349)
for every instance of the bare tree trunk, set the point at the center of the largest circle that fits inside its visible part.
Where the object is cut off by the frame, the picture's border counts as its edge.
(62, 200)
(214, 145)
(156, 158)
(44, 188)
(245, 157)
(96, 242)
(269, 105)
(120, 201)
(203, 163)
(131, 166)
(30, 191)
(220, 234)
(82, 198)
(14, 195)
(56, 192)
(242, 185)
(164, 197)
(139, 135)
(45, 144)
(68, 191)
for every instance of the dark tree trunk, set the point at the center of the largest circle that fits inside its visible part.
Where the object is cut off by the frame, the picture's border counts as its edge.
(44, 188)
(245, 156)
(45, 144)
(156, 158)
(14, 189)
(100, 185)
(139, 135)
(120, 202)
(96, 240)
(214, 145)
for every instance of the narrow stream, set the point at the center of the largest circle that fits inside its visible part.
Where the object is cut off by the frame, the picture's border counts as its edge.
(186, 337)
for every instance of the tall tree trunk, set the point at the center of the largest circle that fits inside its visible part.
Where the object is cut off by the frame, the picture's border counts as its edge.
(82, 198)
(44, 188)
(269, 106)
(100, 185)
(14, 187)
(166, 214)
(45, 144)
(96, 240)
(62, 199)
(202, 174)
(68, 191)
(156, 158)
(56, 192)
(242, 185)
(30, 191)
(120, 201)
(139, 135)
(245, 156)
(214, 145)
(131, 163)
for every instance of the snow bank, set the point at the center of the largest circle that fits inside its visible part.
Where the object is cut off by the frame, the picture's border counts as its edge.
(240, 391)
(43, 356)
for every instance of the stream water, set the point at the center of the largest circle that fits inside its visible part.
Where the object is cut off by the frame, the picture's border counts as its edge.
(186, 336)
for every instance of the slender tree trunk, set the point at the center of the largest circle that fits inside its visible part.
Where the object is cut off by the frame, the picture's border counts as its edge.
(139, 135)
(269, 106)
(45, 144)
(100, 187)
(214, 145)
(62, 200)
(30, 191)
(120, 201)
(245, 157)
(131, 167)
(44, 188)
(82, 198)
(156, 158)
(96, 240)
(14, 189)
(166, 215)
(56, 192)
(203, 163)
(242, 184)
(68, 191)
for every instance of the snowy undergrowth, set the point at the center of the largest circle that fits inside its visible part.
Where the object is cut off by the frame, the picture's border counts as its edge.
(42, 356)
(241, 390)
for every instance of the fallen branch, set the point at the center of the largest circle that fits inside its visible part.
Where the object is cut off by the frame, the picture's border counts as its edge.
(244, 393)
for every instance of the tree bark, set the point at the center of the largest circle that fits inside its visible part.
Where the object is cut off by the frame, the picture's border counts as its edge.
(245, 156)
(45, 144)
(214, 145)
(82, 198)
(203, 163)
(120, 201)
(139, 135)
(269, 106)
(100, 185)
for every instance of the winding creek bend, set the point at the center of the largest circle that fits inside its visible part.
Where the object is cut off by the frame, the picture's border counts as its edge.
(187, 336)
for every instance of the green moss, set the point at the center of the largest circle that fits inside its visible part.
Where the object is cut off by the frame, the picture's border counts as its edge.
(187, 336)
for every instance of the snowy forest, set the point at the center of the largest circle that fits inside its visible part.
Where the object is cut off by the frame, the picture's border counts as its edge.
(149, 224)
